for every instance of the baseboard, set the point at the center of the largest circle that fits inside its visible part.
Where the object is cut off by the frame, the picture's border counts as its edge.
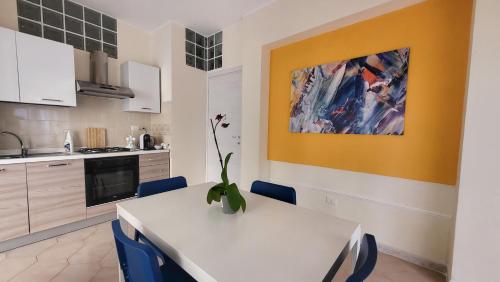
(346, 201)
(411, 258)
(60, 230)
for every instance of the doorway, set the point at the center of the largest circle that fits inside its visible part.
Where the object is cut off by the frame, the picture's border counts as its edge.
(224, 97)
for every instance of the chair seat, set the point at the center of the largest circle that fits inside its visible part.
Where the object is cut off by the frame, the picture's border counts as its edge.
(172, 272)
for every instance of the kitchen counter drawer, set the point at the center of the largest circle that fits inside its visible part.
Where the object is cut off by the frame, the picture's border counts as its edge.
(13, 202)
(154, 172)
(56, 193)
(154, 159)
(104, 208)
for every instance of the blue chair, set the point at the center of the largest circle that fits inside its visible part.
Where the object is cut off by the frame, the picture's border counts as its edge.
(159, 186)
(275, 191)
(155, 187)
(367, 259)
(139, 262)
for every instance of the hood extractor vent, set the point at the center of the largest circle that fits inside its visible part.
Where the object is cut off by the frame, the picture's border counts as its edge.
(98, 86)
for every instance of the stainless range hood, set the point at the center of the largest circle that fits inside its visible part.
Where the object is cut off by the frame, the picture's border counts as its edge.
(98, 86)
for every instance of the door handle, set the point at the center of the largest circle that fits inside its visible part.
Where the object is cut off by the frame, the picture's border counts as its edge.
(3, 170)
(57, 165)
(146, 109)
(52, 100)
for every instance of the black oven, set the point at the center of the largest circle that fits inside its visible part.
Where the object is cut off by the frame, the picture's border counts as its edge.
(111, 179)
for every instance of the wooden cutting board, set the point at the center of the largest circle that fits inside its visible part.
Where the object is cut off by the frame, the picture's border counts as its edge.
(96, 137)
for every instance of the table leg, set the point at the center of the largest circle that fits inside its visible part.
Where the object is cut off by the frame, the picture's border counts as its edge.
(356, 246)
(355, 253)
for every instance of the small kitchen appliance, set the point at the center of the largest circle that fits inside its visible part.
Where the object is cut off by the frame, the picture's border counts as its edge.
(146, 142)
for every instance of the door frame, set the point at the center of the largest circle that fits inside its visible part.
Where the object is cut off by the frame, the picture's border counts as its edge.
(208, 131)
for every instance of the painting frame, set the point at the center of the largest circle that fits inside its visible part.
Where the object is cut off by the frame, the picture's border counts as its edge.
(362, 95)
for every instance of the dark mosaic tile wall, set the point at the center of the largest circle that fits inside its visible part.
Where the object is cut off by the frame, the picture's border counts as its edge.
(204, 53)
(68, 22)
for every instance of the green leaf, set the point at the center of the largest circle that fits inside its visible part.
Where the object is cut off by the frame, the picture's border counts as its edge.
(210, 197)
(215, 192)
(243, 203)
(233, 197)
(223, 174)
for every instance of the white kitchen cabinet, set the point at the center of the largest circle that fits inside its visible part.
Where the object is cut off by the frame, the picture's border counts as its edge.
(46, 71)
(144, 81)
(9, 84)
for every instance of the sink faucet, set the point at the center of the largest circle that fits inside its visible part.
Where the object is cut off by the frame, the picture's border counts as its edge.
(24, 151)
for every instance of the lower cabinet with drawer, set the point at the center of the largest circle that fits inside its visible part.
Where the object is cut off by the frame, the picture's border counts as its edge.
(154, 167)
(154, 172)
(13, 202)
(38, 196)
(56, 193)
(154, 159)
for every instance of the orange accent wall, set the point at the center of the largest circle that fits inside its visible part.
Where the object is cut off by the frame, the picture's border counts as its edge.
(438, 34)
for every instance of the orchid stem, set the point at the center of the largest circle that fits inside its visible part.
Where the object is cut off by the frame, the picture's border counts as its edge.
(217, 143)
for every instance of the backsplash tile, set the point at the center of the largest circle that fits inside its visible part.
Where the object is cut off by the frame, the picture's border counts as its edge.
(44, 126)
(160, 124)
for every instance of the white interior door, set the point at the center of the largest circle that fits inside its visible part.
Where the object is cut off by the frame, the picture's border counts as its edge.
(224, 97)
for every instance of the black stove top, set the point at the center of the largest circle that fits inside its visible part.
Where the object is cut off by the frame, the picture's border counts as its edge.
(103, 150)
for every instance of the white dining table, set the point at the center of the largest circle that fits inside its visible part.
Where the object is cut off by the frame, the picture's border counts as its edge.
(271, 241)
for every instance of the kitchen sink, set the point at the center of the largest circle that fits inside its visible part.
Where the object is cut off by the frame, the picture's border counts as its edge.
(10, 157)
(32, 155)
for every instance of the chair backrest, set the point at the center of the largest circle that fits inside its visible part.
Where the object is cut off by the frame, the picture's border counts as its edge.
(275, 191)
(366, 261)
(160, 186)
(138, 261)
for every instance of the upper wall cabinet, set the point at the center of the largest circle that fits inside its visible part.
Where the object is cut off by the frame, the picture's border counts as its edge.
(9, 87)
(46, 71)
(144, 81)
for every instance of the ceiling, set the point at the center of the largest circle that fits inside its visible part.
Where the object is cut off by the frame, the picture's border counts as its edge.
(203, 16)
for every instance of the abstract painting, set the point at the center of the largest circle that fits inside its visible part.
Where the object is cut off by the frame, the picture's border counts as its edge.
(365, 95)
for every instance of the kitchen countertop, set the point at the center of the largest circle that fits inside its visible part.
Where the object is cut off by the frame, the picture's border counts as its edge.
(76, 156)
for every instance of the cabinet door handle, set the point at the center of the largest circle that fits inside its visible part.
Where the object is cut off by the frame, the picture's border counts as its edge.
(146, 108)
(3, 170)
(52, 100)
(56, 165)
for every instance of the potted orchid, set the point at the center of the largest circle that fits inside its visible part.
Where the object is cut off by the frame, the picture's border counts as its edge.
(225, 191)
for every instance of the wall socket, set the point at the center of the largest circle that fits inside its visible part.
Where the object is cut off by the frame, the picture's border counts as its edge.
(330, 200)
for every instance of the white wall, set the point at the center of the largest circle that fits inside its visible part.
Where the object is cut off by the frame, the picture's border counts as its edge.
(186, 88)
(162, 57)
(410, 218)
(477, 247)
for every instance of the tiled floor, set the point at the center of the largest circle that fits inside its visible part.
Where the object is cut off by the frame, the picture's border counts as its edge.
(89, 255)
(85, 255)
(392, 269)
